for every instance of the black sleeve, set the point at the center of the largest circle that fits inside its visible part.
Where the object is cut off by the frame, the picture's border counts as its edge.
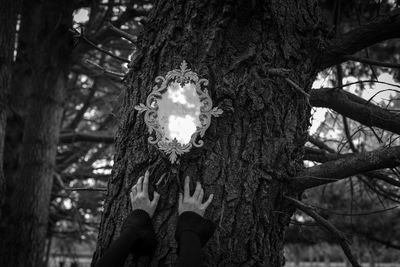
(137, 236)
(192, 233)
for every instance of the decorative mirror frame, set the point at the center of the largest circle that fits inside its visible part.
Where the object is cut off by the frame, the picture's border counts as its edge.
(182, 76)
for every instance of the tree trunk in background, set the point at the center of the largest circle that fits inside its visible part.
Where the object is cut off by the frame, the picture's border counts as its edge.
(8, 21)
(48, 48)
(249, 152)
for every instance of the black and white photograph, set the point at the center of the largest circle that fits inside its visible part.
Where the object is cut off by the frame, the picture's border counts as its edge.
(199, 133)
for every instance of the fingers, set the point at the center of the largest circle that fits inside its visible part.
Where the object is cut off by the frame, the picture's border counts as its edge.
(134, 190)
(155, 198)
(196, 193)
(180, 199)
(145, 185)
(132, 198)
(139, 184)
(201, 195)
(208, 202)
(186, 191)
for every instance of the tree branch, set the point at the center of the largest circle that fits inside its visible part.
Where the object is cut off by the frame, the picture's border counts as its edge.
(81, 36)
(319, 155)
(332, 171)
(81, 112)
(355, 108)
(359, 82)
(383, 28)
(318, 143)
(85, 175)
(107, 33)
(372, 62)
(328, 226)
(85, 189)
(105, 71)
(123, 34)
(382, 177)
(86, 137)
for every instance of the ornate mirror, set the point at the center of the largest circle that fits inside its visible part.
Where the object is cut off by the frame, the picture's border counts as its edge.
(178, 111)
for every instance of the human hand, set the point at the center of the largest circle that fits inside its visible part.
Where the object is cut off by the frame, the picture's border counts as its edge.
(140, 196)
(193, 203)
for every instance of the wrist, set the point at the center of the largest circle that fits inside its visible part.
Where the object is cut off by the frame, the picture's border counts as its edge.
(138, 227)
(190, 221)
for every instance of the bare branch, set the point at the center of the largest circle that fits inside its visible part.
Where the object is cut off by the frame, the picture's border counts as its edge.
(123, 34)
(367, 213)
(284, 73)
(319, 155)
(86, 137)
(85, 175)
(372, 62)
(297, 87)
(118, 74)
(358, 82)
(85, 189)
(355, 108)
(383, 28)
(105, 34)
(318, 143)
(348, 135)
(81, 112)
(329, 227)
(81, 36)
(383, 177)
(281, 72)
(341, 168)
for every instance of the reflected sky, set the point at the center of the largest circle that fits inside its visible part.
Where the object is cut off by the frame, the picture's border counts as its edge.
(178, 112)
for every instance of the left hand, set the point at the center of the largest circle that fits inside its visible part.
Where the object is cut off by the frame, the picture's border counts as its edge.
(193, 203)
(140, 196)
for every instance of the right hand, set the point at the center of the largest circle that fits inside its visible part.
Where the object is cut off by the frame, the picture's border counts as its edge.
(140, 196)
(193, 203)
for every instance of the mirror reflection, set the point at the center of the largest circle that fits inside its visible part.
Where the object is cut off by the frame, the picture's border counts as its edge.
(178, 112)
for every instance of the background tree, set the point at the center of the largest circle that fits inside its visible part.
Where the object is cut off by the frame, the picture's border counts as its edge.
(8, 15)
(48, 46)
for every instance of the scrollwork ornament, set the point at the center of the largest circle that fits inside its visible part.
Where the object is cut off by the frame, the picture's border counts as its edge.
(182, 76)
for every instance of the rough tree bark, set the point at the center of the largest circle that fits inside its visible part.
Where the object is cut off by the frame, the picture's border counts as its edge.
(251, 151)
(8, 21)
(48, 48)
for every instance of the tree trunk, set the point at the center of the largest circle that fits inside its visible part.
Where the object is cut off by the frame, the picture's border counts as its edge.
(8, 21)
(249, 152)
(49, 47)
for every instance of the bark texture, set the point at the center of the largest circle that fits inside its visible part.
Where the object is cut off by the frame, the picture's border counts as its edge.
(250, 152)
(8, 22)
(48, 47)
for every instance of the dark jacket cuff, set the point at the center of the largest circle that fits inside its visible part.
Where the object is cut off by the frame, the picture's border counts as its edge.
(138, 225)
(193, 222)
